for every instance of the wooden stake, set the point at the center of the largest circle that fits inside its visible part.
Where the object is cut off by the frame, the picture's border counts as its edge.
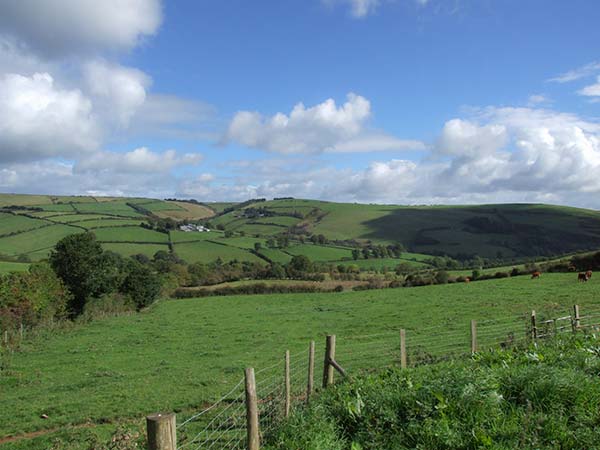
(533, 326)
(329, 355)
(161, 431)
(252, 432)
(286, 411)
(311, 371)
(403, 348)
(577, 318)
(473, 336)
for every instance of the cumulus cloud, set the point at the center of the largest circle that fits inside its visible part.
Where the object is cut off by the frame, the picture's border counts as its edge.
(40, 120)
(323, 127)
(578, 73)
(63, 27)
(119, 91)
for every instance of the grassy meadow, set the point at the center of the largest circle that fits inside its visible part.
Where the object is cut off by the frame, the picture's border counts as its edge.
(180, 354)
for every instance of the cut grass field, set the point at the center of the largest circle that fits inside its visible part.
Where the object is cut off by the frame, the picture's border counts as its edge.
(182, 353)
(128, 249)
(37, 243)
(207, 251)
(383, 263)
(130, 234)
(8, 266)
(319, 253)
(10, 223)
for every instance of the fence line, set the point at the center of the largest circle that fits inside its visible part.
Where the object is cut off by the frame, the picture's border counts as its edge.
(246, 414)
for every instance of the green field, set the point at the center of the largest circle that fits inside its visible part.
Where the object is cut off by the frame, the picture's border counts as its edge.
(68, 218)
(108, 222)
(183, 236)
(319, 253)
(127, 249)
(276, 255)
(10, 223)
(383, 263)
(130, 234)
(182, 353)
(207, 251)
(119, 208)
(62, 207)
(37, 243)
(8, 266)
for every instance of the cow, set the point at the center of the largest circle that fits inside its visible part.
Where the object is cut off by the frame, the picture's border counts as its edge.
(535, 274)
(467, 280)
(582, 277)
(588, 274)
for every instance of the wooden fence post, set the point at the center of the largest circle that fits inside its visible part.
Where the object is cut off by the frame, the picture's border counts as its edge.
(311, 371)
(533, 326)
(252, 432)
(473, 336)
(161, 431)
(286, 411)
(403, 348)
(576, 318)
(329, 356)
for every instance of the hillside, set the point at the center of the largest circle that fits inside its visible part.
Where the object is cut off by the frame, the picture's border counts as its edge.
(30, 225)
(178, 355)
(491, 231)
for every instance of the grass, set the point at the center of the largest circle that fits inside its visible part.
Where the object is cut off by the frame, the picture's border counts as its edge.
(10, 223)
(207, 251)
(276, 255)
(37, 243)
(130, 234)
(104, 223)
(118, 207)
(128, 249)
(183, 236)
(8, 266)
(319, 252)
(382, 263)
(182, 353)
(68, 218)
(542, 397)
(185, 210)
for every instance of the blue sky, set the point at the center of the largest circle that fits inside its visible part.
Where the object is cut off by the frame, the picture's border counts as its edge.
(388, 101)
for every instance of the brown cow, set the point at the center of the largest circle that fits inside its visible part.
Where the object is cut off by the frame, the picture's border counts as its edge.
(535, 274)
(582, 277)
(588, 274)
(467, 280)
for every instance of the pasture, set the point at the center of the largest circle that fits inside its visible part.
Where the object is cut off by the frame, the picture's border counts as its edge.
(180, 354)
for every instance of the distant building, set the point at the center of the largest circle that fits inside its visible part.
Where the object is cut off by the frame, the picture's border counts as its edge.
(193, 228)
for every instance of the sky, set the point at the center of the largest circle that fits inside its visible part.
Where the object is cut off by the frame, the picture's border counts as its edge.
(373, 101)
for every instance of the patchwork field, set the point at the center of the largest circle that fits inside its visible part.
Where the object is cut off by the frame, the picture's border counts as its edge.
(207, 251)
(37, 243)
(130, 234)
(182, 353)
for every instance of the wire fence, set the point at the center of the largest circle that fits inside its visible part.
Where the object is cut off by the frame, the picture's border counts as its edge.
(288, 383)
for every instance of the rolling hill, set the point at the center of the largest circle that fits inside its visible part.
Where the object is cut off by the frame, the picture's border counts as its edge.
(30, 225)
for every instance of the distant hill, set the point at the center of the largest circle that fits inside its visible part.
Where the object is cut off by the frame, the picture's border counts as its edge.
(491, 231)
(30, 225)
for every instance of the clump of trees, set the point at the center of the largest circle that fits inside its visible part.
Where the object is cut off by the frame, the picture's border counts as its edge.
(91, 273)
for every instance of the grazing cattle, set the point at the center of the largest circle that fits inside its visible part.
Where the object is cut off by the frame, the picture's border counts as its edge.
(467, 280)
(588, 274)
(535, 274)
(582, 277)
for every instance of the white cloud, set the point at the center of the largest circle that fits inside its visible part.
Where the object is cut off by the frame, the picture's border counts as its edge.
(119, 91)
(62, 27)
(140, 160)
(538, 99)
(40, 120)
(323, 127)
(358, 8)
(576, 74)
(592, 90)
(464, 138)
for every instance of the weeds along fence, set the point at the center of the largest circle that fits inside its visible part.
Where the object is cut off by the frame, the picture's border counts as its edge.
(248, 413)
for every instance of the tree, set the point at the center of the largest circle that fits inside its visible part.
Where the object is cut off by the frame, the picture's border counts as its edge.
(75, 260)
(355, 254)
(228, 234)
(257, 246)
(141, 284)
